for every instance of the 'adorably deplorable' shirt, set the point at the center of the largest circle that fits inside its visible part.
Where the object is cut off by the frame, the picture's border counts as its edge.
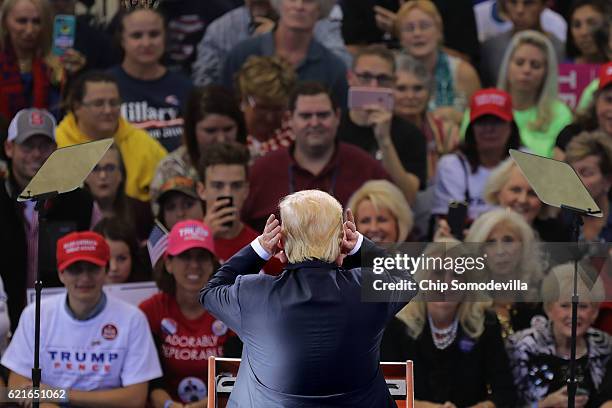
(184, 345)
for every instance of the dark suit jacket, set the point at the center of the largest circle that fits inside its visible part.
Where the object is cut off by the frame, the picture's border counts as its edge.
(66, 213)
(309, 339)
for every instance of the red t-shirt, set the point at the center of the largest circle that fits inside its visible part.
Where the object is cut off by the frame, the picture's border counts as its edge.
(226, 248)
(184, 346)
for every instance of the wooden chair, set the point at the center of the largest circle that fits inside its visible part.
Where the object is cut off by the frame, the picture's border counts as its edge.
(400, 380)
(222, 373)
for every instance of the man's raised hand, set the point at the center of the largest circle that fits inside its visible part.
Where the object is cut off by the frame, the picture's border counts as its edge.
(349, 240)
(271, 236)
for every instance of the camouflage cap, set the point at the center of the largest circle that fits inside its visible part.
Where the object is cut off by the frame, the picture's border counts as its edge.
(179, 184)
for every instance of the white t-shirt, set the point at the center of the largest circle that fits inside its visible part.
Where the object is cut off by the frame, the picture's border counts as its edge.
(489, 25)
(450, 186)
(113, 349)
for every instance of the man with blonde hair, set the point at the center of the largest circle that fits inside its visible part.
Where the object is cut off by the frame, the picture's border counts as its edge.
(309, 340)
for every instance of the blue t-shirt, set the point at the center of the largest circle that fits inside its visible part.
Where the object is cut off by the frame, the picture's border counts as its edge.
(155, 105)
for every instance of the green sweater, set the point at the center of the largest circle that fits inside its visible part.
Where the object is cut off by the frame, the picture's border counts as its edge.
(539, 142)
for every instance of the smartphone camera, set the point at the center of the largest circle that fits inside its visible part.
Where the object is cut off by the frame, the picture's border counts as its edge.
(230, 203)
(457, 217)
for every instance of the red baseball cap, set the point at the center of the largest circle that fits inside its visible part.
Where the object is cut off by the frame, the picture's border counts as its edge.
(491, 101)
(82, 246)
(605, 75)
(189, 234)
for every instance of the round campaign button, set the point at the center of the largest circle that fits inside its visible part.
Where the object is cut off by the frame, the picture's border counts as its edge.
(219, 328)
(191, 389)
(109, 331)
(169, 326)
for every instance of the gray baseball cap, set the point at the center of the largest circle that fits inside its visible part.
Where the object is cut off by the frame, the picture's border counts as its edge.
(31, 122)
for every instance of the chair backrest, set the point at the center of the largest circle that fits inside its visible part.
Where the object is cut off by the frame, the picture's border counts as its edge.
(222, 373)
(399, 379)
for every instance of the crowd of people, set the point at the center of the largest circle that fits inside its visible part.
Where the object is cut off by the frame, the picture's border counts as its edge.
(219, 109)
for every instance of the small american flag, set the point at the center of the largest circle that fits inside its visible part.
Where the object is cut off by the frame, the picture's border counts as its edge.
(157, 243)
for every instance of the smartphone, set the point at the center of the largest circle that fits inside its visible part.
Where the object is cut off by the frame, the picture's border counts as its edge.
(64, 31)
(457, 217)
(231, 204)
(358, 97)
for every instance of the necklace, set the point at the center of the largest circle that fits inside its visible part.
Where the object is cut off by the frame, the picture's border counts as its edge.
(443, 338)
(503, 313)
(25, 65)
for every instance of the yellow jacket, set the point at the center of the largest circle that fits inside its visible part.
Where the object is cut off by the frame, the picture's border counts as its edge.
(140, 152)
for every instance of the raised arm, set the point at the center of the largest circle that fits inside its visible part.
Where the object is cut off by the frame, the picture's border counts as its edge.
(220, 295)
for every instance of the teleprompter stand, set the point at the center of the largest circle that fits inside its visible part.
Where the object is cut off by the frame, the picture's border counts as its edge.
(557, 184)
(64, 171)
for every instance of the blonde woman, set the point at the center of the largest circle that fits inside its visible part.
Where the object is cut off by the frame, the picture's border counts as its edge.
(420, 31)
(512, 252)
(540, 355)
(529, 74)
(413, 89)
(590, 154)
(441, 334)
(31, 75)
(381, 212)
(264, 85)
(507, 187)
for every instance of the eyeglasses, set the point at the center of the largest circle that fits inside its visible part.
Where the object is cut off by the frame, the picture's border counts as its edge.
(413, 88)
(107, 168)
(366, 78)
(100, 103)
(263, 108)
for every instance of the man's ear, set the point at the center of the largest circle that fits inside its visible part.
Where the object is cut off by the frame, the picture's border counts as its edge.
(201, 190)
(9, 148)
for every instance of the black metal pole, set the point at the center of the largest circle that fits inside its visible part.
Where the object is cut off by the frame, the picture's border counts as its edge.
(36, 371)
(41, 210)
(572, 383)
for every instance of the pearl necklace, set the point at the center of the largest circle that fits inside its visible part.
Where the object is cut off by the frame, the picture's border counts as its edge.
(443, 338)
